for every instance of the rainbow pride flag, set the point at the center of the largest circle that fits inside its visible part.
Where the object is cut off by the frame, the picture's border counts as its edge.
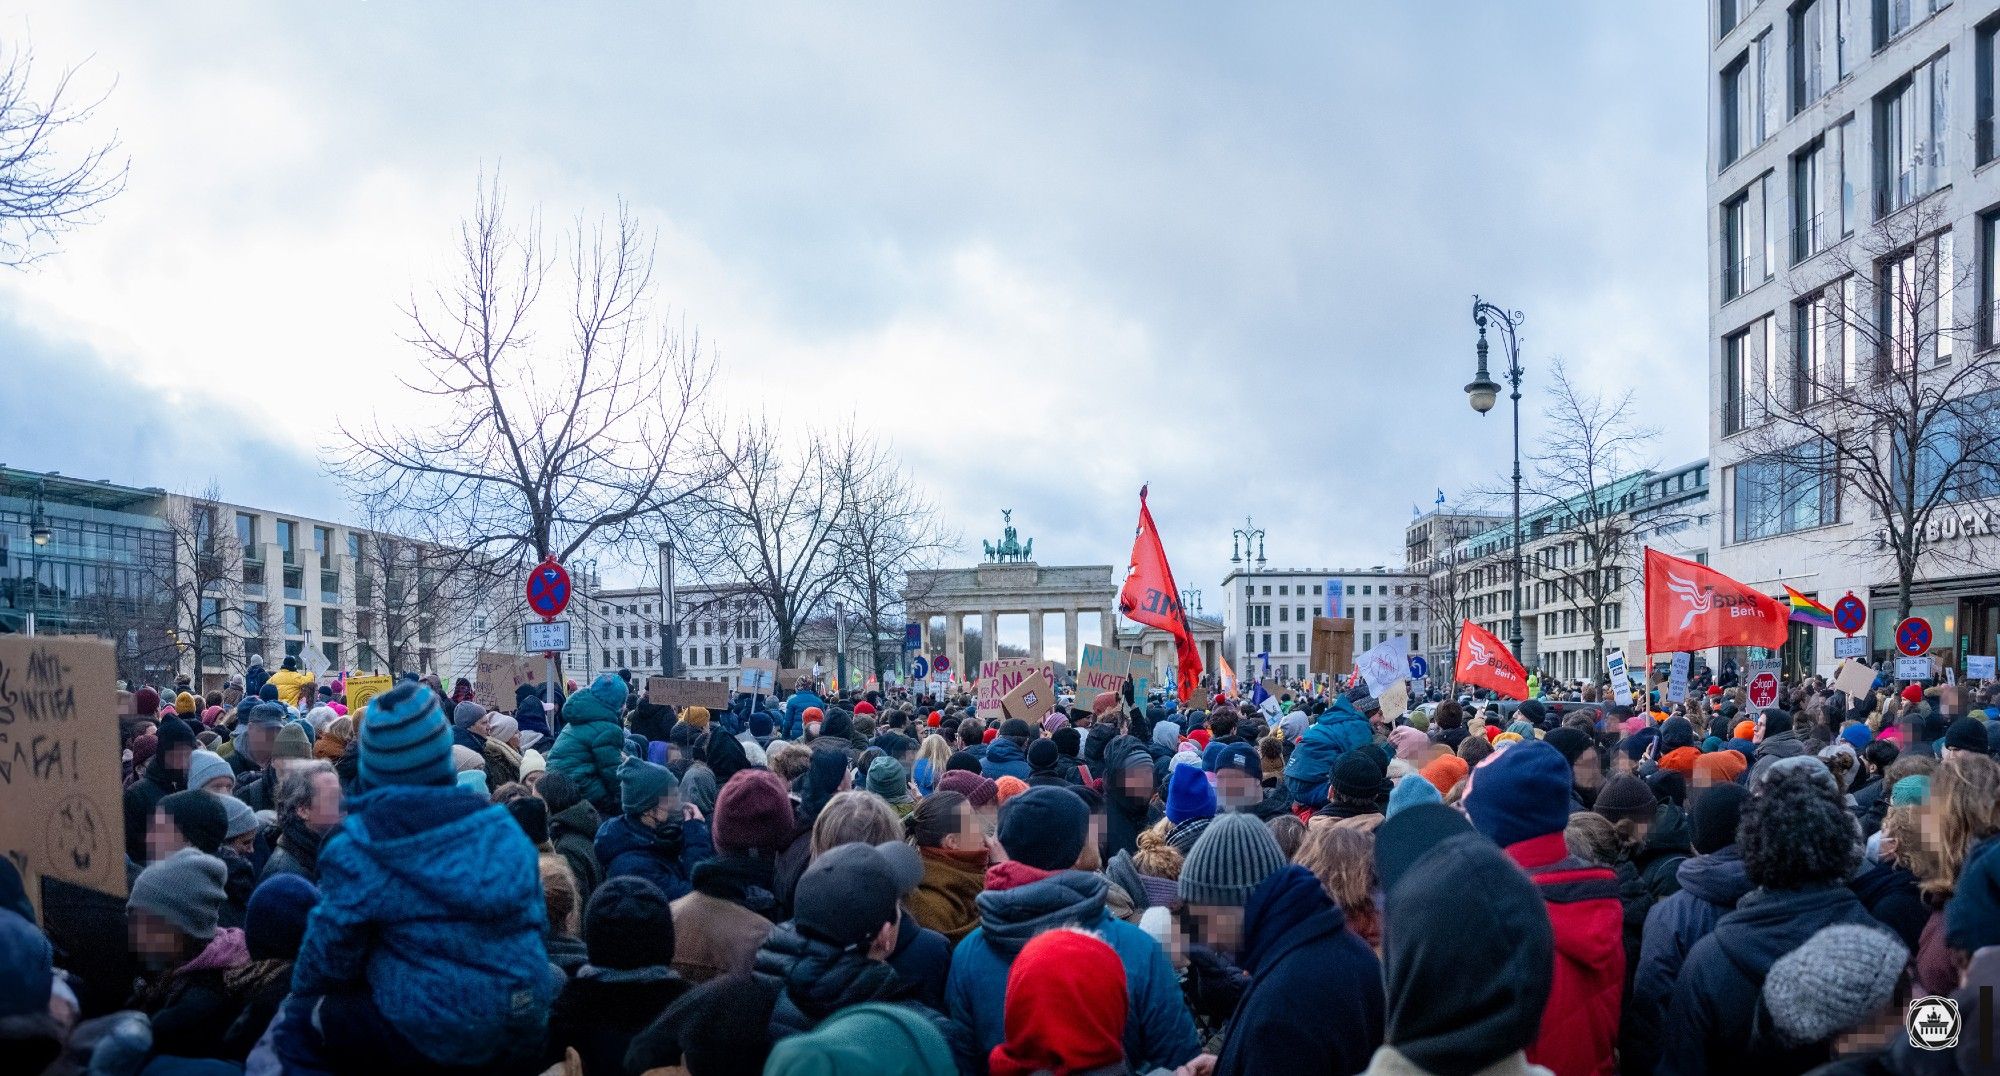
(1807, 611)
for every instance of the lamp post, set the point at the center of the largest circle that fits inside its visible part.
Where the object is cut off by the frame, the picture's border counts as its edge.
(840, 644)
(1484, 392)
(1245, 535)
(1191, 601)
(671, 619)
(39, 535)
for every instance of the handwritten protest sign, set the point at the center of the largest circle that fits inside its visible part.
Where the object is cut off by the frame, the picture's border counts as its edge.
(1387, 663)
(1854, 678)
(1099, 670)
(495, 673)
(1031, 699)
(1332, 646)
(666, 691)
(1395, 702)
(61, 801)
(759, 676)
(360, 689)
(998, 677)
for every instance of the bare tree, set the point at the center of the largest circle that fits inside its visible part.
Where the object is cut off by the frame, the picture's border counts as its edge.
(1887, 403)
(766, 530)
(543, 431)
(203, 585)
(414, 599)
(886, 528)
(46, 186)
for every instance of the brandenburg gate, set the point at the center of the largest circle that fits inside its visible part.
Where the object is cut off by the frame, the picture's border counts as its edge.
(1010, 582)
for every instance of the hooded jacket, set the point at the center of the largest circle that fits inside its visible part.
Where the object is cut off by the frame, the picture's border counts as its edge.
(430, 899)
(1719, 1022)
(720, 925)
(1124, 815)
(1711, 886)
(573, 833)
(292, 687)
(1778, 745)
(602, 1010)
(1004, 758)
(666, 859)
(1579, 1030)
(591, 746)
(1297, 946)
(1159, 1033)
(795, 711)
(810, 980)
(1309, 772)
(155, 783)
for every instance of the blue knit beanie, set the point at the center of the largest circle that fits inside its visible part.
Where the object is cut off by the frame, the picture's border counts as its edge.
(1520, 793)
(405, 739)
(1189, 795)
(611, 690)
(641, 784)
(274, 922)
(1411, 791)
(1857, 735)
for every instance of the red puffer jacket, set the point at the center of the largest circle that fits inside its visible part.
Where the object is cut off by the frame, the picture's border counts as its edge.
(1579, 1032)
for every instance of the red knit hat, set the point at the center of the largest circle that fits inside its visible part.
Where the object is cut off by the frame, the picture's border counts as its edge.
(935, 719)
(1065, 1008)
(1913, 694)
(1492, 731)
(1715, 689)
(989, 735)
(863, 707)
(1200, 736)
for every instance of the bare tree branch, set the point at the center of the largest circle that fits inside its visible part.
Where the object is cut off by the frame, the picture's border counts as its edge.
(47, 188)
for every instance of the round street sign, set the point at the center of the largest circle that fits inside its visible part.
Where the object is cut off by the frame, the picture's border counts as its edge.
(1913, 637)
(1763, 689)
(1418, 666)
(1849, 614)
(548, 588)
(940, 664)
(919, 668)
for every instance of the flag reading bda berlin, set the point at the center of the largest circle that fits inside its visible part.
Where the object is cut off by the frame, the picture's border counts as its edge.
(1149, 597)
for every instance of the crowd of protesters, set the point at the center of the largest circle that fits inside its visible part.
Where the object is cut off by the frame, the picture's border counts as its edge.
(834, 883)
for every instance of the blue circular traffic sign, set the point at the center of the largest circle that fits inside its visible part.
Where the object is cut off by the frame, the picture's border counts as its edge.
(548, 588)
(1418, 666)
(1913, 637)
(919, 668)
(941, 664)
(1849, 614)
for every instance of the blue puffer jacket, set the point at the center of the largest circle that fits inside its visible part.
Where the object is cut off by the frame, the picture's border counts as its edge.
(591, 746)
(795, 709)
(1339, 730)
(1710, 887)
(625, 847)
(430, 899)
(1159, 1033)
(1004, 758)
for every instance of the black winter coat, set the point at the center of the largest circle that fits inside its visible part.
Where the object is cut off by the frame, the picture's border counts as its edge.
(573, 834)
(1890, 894)
(1710, 886)
(599, 1013)
(155, 783)
(1717, 1014)
(812, 980)
(1300, 952)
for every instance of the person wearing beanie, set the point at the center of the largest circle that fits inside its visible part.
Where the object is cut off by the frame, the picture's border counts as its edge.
(164, 774)
(186, 820)
(1066, 1008)
(1776, 739)
(1233, 857)
(533, 767)
(1586, 765)
(978, 790)
(1519, 799)
(1042, 832)
(172, 923)
(1006, 754)
(873, 1039)
(146, 702)
(1297, 944)
(1129, 785)
(291, 745)
(888, 779)
(1043, 758)
(1360, 784)
(1799, 846)
(1445, 772)
(733, 904)
(629, 979)
(532, 815)
(1912, 693)
(591, 745)
(1191, 804)
(1409, 792)
(1966, 736)
(294, 685)
(1440, 1019)
(273, 928)
(573, 825)
(1309, 772)
(655, 835)
(1834, 983)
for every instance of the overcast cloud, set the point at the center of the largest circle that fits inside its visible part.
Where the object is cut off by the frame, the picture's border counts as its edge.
(1051, 251)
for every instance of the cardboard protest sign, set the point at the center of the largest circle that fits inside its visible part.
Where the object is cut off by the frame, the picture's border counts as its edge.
(1677, 679)
(1854, 679)
(62, 803)
(997, 678)
(667, 691)
(1099, 670)
(1388, 662)
(788, 679)
(1979, 667)
(1332, 646)
(759, 677)
(495, 674)
(1395, 702)
(1031, 699)
(360, 689)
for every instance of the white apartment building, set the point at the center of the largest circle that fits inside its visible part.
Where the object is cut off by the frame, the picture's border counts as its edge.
(1831, 124)
(628, 630)
(1431, 547)
(1267, 615)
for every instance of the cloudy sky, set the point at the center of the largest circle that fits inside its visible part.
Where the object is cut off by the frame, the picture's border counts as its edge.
(1050, 252)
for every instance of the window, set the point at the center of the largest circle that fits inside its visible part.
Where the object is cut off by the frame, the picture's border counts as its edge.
(1727, 15)
(1958, 461)
(1783, 493)
(606, 630)
(1989, 278)
(1846, 165)
(649, 659)
(253, 619)
(1767, 216)
(287, 536)
(1284, 592)
(1892, 17)
(708, 655)
(1284, 642)
(1819, 49)
(691, 654)
(1350, 590)
(1746, 358)
(1912, 121)
(1822, 343)
(1915, 303)
(1735, 257)
(246, 533)
(354, 545)
(1267, 642)
(1316, 590)
(329, 622)
(1982, 94)
(1367, 611)
(295, 620)
(1267, 592)
(1284, 612)
(1367, 641)
(1809, 185)
(1300, 641)
(1367, 589)
(1249, 642)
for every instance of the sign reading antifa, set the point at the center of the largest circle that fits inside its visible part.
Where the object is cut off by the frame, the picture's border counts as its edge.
(61, 800)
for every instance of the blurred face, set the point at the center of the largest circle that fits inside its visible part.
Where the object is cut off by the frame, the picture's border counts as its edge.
(1219, 928)
(260, 739)
(1136, 781)
(1589, 770)
(969, 836)
(154, 941)
(177, 758)
(163, 838)
(1235, 789)
(244, 845)
(326, 809)
(534, 781)
(1757, 735)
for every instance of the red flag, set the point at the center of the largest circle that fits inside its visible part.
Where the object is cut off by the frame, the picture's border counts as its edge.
(1691, 606)
(1149, 597)
(1484, 661)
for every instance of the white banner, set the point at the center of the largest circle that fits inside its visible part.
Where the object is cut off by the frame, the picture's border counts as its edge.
(1387, 664)
(1621, 677)
(1677, 679)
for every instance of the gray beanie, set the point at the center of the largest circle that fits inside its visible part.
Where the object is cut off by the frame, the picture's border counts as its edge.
(185, 889)
(241, 818)
(467, 714)
(206, 766)
(1833, 982)
(1232, 857)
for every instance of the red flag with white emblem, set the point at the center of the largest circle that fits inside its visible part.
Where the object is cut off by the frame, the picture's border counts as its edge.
(1691, 606)
(1149, 597)
(1484, 661)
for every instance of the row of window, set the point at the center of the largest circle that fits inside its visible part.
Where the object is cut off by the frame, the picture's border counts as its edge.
(644, 659)
(249, 526)
(742, 629)
(1367, 590)
(1295, 642)
(1571, 621)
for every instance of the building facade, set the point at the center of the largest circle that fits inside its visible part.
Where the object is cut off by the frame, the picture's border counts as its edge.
(1267, 614)
(1833, 126)
(1432, 545)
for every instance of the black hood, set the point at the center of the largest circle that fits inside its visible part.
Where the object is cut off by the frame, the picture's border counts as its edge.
(820, 979)
(1769, 923)
(1010, 918)
(1718, 877)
